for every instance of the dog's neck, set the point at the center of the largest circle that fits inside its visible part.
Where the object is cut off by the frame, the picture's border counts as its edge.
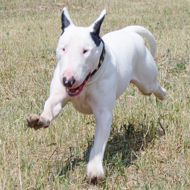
(100, 60)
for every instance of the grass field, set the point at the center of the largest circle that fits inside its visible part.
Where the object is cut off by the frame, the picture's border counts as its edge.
(149, 144)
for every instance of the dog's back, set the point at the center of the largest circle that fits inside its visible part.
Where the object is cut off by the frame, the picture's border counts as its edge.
(130, 55)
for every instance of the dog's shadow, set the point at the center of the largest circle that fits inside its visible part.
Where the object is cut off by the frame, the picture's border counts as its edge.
(123, 146)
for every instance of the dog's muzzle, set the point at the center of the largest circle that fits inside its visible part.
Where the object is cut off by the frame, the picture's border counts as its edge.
(78, 90)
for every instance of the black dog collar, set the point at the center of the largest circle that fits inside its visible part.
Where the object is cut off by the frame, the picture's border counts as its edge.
(100, 61)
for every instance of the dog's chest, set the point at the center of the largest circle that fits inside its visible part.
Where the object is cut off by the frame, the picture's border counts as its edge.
(80, 104)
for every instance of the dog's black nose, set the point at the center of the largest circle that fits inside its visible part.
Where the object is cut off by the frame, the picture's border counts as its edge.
(69, 82)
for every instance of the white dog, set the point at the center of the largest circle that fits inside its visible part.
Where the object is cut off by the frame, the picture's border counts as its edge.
(92, 72)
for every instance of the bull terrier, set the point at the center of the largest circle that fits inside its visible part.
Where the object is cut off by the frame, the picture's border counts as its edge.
(93, 71)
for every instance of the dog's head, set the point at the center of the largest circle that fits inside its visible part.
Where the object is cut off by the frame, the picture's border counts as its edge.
(78, 52)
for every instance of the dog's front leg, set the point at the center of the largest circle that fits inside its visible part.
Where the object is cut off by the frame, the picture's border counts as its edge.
(103, 123)
(52, 108)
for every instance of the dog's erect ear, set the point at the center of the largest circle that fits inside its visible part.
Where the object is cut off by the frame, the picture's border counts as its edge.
(65, 19)
(95, 28)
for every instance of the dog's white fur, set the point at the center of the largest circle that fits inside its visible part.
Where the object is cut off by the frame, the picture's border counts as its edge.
(127, 60)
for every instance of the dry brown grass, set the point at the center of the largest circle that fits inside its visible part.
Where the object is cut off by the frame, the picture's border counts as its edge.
(139, 155)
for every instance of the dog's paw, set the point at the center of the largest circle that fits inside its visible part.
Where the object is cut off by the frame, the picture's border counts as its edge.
(95, 170)
(36, 122)
(164, 92)
(161, 93)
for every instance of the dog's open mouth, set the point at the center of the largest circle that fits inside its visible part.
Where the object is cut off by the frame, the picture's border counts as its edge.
(78, 90)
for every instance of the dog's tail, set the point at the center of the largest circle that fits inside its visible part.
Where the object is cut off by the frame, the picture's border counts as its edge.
(147, 34)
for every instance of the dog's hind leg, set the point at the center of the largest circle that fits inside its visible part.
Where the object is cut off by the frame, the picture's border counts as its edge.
(147, 89)
(145, 76)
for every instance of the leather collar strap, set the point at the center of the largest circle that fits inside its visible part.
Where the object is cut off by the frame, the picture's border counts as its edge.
(100, 61)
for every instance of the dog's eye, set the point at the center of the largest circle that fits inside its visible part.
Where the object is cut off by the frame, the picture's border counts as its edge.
(63, 49)
(85, 51)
